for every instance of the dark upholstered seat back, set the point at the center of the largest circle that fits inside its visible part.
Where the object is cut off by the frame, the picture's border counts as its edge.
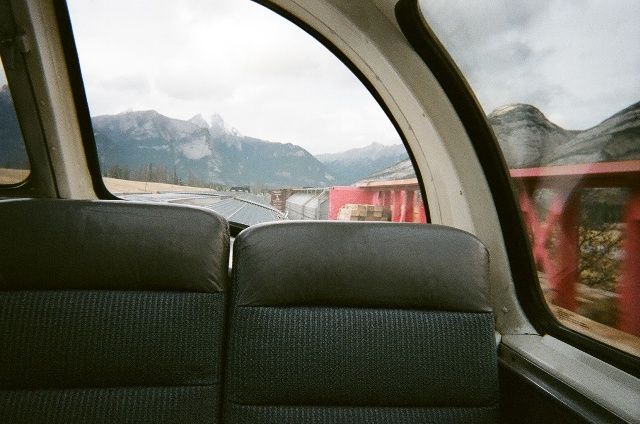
(343, 322)
(110, 312)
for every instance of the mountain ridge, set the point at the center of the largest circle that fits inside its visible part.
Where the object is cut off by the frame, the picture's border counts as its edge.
(529, 139)
(199, 151)
(351, 165)
(147, 144)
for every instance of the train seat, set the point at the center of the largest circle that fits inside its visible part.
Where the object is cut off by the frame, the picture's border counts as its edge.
(353, 322)
(110, 311)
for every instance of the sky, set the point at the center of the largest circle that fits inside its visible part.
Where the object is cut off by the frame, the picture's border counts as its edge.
(576, 60)
(262, 74)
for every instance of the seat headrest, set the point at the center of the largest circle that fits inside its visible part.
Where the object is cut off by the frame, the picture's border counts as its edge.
(339, 264)
(72, 244)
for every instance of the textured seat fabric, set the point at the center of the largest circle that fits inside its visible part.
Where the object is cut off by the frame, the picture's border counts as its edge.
(345, 322)
(111, 312)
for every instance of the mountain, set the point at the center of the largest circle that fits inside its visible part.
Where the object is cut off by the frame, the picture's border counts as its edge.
(13, 153)
(198, 150)
(616, 138)
(526, 136)
(352, 165)
(149, 145)
(529, 139)
(399, 171)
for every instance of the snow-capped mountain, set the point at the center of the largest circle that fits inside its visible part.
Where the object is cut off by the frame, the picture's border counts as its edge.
(351, 165)
(199, 150)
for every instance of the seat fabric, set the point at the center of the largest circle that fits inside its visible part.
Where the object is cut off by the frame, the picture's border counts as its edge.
(346, 322)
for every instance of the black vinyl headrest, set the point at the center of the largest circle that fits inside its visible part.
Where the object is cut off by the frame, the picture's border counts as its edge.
(74, 244)
(336, 264)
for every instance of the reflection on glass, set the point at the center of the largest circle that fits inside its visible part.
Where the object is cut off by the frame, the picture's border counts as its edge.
(567, 117)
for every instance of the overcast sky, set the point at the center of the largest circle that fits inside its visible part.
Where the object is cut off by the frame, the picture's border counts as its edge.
(263, 75)
(578, 61)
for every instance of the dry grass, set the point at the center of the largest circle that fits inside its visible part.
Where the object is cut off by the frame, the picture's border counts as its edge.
(115, 185)
(13, 176)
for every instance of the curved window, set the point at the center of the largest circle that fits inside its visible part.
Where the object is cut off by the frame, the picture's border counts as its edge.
(559, 84)
(227, 105)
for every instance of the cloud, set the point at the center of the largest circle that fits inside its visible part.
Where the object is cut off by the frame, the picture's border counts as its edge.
(261, 73)
(190, 85)
(577, 61)
(137, 84)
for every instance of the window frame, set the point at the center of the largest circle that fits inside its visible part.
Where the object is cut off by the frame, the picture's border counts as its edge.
(80, 99)
(40, 181)
(84, 117)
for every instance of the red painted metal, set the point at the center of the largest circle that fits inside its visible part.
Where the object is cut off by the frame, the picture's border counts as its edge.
(559, 231)
(600, 174)
(396, 205)
(566, 273)
(539, 230)
(561, 270)
(629, 284)
(410, 201)
(340, 196)
(402, 197)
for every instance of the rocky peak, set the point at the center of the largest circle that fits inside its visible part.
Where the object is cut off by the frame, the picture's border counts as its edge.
(616, 138)
(519, 113)
(199, 121)
(145, 125)
(219, 127)
(525, 134)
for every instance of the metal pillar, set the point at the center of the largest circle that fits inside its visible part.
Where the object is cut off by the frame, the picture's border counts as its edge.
(562, 270)
(567, 272)
(629, 284)
(410, 201)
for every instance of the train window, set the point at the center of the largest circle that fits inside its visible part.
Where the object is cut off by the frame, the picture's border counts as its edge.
(560, 86)
(14, 162)
(229, 106)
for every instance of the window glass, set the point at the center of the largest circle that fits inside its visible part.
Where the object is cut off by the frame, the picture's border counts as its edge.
(559, 83)
(14, 162)
(227, 105)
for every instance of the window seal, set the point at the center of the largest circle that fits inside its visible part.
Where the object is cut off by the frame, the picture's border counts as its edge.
(529, 295)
